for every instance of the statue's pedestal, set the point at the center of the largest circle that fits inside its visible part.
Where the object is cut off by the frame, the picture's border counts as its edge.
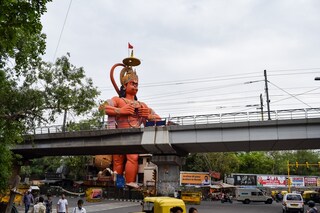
(168, 179)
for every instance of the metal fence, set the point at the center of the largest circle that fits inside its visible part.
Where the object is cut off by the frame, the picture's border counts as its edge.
(290, 114)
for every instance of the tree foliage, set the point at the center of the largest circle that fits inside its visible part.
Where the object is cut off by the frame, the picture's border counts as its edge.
(21, 42)
(16, 112)
(225, 163)
(31, 88)
(255, 163)
(66, 88)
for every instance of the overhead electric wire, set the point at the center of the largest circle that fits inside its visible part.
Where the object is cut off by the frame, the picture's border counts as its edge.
(156, 96)
(290, 94)
(219, 78)
(61, 32)
(291, 97)
(291, 74)
(294, 69)
(188, 100)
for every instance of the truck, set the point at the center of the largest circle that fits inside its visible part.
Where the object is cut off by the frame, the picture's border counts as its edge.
(247, 195)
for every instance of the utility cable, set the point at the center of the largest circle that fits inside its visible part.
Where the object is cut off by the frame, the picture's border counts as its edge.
(290, 94)
(64, 23)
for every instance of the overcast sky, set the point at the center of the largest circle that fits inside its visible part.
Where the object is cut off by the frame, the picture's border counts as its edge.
(196, 55)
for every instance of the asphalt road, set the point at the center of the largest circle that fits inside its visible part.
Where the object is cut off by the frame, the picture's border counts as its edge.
(114, 206)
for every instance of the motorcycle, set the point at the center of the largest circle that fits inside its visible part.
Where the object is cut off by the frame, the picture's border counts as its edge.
(226, 199)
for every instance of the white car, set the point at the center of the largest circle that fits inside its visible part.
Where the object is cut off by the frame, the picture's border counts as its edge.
(292, 202)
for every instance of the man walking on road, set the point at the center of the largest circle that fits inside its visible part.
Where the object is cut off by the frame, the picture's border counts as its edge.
(39, 207)
(62, 205)
(79, 208)
(28, 200)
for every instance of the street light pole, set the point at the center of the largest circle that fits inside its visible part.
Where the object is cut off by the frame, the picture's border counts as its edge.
(267, 93)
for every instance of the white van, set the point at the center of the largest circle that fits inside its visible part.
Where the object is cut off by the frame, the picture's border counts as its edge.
(247, 195)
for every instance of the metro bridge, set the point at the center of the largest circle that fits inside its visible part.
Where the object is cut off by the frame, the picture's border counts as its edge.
(228, 132)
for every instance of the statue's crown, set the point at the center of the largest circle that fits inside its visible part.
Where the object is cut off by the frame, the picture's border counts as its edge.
(127, 74)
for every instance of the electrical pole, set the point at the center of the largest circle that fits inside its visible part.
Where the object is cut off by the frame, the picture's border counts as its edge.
(261, 106)
(267, 93)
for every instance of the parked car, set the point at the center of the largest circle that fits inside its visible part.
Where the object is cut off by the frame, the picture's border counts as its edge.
(292, 202)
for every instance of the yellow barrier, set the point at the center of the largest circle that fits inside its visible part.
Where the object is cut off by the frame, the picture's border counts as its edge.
(191, 197)
(94, 194)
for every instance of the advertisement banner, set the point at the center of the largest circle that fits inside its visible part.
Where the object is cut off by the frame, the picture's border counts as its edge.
(245, 180)
(194, 178)
(93, 194)
(297, 181)
(271, 181)
(310, 181)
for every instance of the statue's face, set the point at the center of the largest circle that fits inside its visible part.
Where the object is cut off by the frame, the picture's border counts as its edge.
(132, 87)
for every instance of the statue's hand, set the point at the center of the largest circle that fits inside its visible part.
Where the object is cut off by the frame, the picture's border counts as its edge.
(143, 112)
(127, 109)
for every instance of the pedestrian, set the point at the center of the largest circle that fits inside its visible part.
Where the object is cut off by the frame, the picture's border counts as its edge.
(193, 210)
(176, 209)
(48, 203)
(39, 207)
(79, 208)
(62, 205)
(27, 200)
(312, 207)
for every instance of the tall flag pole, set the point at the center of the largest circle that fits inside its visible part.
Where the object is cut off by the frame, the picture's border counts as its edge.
(129, 47)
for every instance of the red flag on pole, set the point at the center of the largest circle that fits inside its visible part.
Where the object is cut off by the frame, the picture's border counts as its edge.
(130, 46)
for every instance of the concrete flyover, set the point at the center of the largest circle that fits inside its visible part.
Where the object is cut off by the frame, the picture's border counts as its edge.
(179, 140)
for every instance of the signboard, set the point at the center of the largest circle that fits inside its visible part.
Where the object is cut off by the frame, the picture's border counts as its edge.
(310, 181)
(194, 178)
(93, 194)
(271, 181)
(297, 181)
(245, 180)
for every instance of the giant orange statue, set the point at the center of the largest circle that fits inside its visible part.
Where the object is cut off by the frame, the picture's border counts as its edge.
(125, 111)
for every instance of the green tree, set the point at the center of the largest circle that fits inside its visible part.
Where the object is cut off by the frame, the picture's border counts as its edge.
(303, 156)
(18, 111)
(66, 88)
(255, 163)
(21, 44)
(225, 163)
(77, 166)
(30, 87)
(39, 166)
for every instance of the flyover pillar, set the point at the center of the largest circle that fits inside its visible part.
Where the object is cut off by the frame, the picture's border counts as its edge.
(168, 179)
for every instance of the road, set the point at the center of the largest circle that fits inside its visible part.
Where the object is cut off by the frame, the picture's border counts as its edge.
(113, 206)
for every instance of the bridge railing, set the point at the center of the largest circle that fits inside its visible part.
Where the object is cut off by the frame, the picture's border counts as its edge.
(246, 116)
(207, 119)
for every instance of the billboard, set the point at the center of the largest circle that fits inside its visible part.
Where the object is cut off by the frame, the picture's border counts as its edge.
(297, 181)
(245, 180)
(272, 181)
(310, 181)
(194, 178)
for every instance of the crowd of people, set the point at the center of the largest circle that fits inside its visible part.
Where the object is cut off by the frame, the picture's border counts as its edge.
(40, 205)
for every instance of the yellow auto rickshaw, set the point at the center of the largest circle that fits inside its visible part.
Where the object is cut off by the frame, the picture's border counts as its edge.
(161, 204)
(311, 195)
